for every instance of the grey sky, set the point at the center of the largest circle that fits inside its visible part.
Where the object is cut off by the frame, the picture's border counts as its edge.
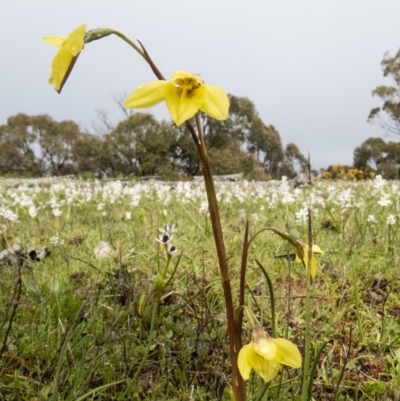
(308, 65)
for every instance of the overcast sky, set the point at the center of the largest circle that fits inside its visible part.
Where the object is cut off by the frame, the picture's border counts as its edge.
(308, 65)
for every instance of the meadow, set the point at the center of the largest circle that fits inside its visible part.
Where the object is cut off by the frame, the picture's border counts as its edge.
(83, 321)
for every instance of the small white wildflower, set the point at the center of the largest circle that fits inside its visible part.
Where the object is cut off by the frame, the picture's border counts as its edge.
(8, 214)
(302, 215)
(100, 206)
(57, 212)
(254, 216)
(390, 220)
(32, 211)
(135, 200)
(371, 219)
(379, 182)
(128, 215)
(242, 213)
(384, 200)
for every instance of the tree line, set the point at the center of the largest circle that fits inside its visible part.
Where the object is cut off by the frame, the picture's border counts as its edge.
(141, 146)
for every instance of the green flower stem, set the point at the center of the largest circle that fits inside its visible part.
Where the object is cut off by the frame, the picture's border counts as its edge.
(171, 276)
(271, 296)
(307, 336)
(305, 394)
(238, 385)
(164, 272)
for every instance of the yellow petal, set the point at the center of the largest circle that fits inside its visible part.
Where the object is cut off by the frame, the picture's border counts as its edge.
(183, 106)
(60, 66)
(267, 369)
(75, 40)
(216, 103)
(147, 95)
(69, 49)
(317, 249)
(243, 364)
(287, 353)
(56, 41)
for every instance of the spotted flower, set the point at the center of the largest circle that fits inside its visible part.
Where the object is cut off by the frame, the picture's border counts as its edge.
(184, 94)
(164, 238)
(172, 250)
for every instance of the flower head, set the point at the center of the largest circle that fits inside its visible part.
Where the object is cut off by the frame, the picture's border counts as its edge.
(265, 355)
(302, 256)
(172, 250)
(164, 238)
(391, 220)
(63, 62)
(185, 94)
(301, 250)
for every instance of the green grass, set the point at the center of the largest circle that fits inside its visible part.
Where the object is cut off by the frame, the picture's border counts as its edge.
(80, 325)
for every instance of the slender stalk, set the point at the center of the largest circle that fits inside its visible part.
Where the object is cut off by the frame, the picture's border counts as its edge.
(271, 297)
(305, 391)
(245, 251)
(130, 43)
(238, 385)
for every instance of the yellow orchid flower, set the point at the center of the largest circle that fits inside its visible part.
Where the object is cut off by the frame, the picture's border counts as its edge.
(266, 355)
(185, 94)
(63, 62)
(302, 256)
(301, 250)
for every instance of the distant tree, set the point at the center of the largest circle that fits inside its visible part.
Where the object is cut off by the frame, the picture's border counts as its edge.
(37, 145)
(265, 142)
(376, 155)
(141, 145)
(90, 154)
(370, 154)
(389, 167)
(294, 161)
(228, 160)
(18, 141)
(390, 96)
(185, 155)
(154, 150)
(56, 140)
